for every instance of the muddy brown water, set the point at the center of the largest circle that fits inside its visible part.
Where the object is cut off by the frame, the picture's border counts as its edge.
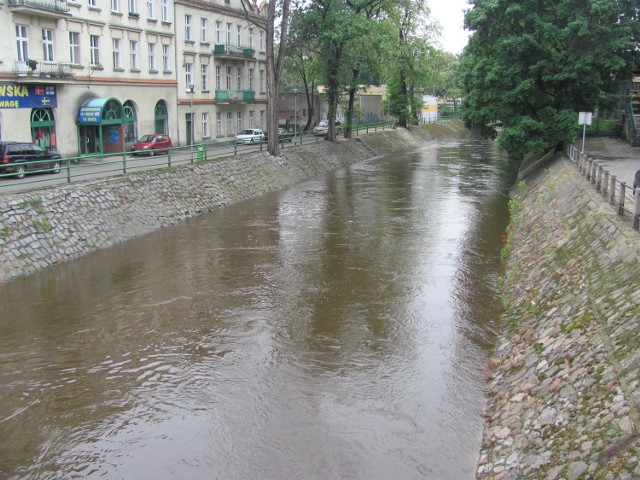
(339, 329)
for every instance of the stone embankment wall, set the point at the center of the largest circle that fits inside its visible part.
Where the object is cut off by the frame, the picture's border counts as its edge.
(564, 386)
(41, 228)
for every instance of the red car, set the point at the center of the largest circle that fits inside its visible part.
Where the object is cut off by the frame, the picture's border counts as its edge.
(152, 144)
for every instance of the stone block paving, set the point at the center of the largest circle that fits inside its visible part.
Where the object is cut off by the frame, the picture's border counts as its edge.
(564, 392)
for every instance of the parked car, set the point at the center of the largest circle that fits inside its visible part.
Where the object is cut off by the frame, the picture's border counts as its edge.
(151, 144)
(283, 135)
(323, 127)
(21, 157)
(250, 135)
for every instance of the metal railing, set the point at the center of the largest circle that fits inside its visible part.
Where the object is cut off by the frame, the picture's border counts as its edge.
(41, 69)
(58, 6)
(235, 95)
(234, 51)
(94, 166)
(623, 198)
(632, 121)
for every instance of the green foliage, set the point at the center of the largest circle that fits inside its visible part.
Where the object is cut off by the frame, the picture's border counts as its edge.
(532, 68)
(370, 41)
(35, 203)
(42, 224)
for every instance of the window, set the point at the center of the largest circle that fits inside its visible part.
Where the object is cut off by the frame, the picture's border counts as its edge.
(187, 27)
(117, 61)
(166, 58)
(164, 8)
(251, 37)
(133, 54)
(92, 3)
(115, 5)
(218, 32)
(94, 49)
(205, 125)
(239, 34)
(204, 77)
(251, 119)
(133, 6)
(204, 26)
(219, 131)
(239, 122)
(228, 34)
(251, 80)
(74, 48)
(262, 80)
(229, 83)
(262, 40)
(229, 123)
(22, 43)
(152, 57)
(239, 79)
(150, 10)
(188, 75)
(262, 119)
(218, 77)
(47, 45)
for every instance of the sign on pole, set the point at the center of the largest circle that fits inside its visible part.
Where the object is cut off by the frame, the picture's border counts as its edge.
(584, 119)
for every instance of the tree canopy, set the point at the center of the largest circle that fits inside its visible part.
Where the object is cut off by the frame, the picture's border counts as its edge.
(532, 65)
(350, 41)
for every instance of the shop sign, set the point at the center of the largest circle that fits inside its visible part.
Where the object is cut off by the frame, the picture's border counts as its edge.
(27, 96)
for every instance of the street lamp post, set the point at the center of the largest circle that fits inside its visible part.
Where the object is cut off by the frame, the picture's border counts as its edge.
(191, 133)
(295, 114)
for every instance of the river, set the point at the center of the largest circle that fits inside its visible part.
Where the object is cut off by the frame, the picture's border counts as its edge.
(339, 329)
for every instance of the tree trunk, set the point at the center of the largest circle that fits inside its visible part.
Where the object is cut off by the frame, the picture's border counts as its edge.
(355, 73)
(310, 108)
(274, 71)
(273, 85)
(402, 120)
(332, 92)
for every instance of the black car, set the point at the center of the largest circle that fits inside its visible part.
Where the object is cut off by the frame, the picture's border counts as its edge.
(21, 157)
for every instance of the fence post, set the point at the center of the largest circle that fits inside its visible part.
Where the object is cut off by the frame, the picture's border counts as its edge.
(605, 183)
(68, 162)
(594, 169)
(621, 199)
(124, 162)
(169, 158)
(599, 178)
(635, 219)
(587, 167)
(612, 190)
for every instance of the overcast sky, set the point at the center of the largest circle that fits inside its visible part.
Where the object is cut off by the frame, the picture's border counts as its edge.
(450, 14)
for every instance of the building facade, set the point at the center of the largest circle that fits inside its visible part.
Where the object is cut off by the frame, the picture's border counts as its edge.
(91, 76)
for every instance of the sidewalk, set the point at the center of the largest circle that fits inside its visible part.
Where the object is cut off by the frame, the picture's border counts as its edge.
(615, 155)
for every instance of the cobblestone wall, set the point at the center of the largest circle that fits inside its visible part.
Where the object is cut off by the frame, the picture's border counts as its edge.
(564, 391)
(44, 227)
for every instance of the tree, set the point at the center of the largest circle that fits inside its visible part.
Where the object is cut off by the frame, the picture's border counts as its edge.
(331, 28)
(411, 68)
(275, 8)
(532, 65)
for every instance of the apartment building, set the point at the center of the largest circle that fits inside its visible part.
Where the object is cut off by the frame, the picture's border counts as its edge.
(91, 76)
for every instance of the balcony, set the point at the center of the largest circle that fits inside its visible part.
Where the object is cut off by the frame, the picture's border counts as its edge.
(43, 70)
(41, 8)
(228, 51)
(235, 96)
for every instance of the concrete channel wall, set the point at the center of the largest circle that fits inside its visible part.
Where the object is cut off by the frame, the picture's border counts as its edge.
(44, 227)
(564, 381)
